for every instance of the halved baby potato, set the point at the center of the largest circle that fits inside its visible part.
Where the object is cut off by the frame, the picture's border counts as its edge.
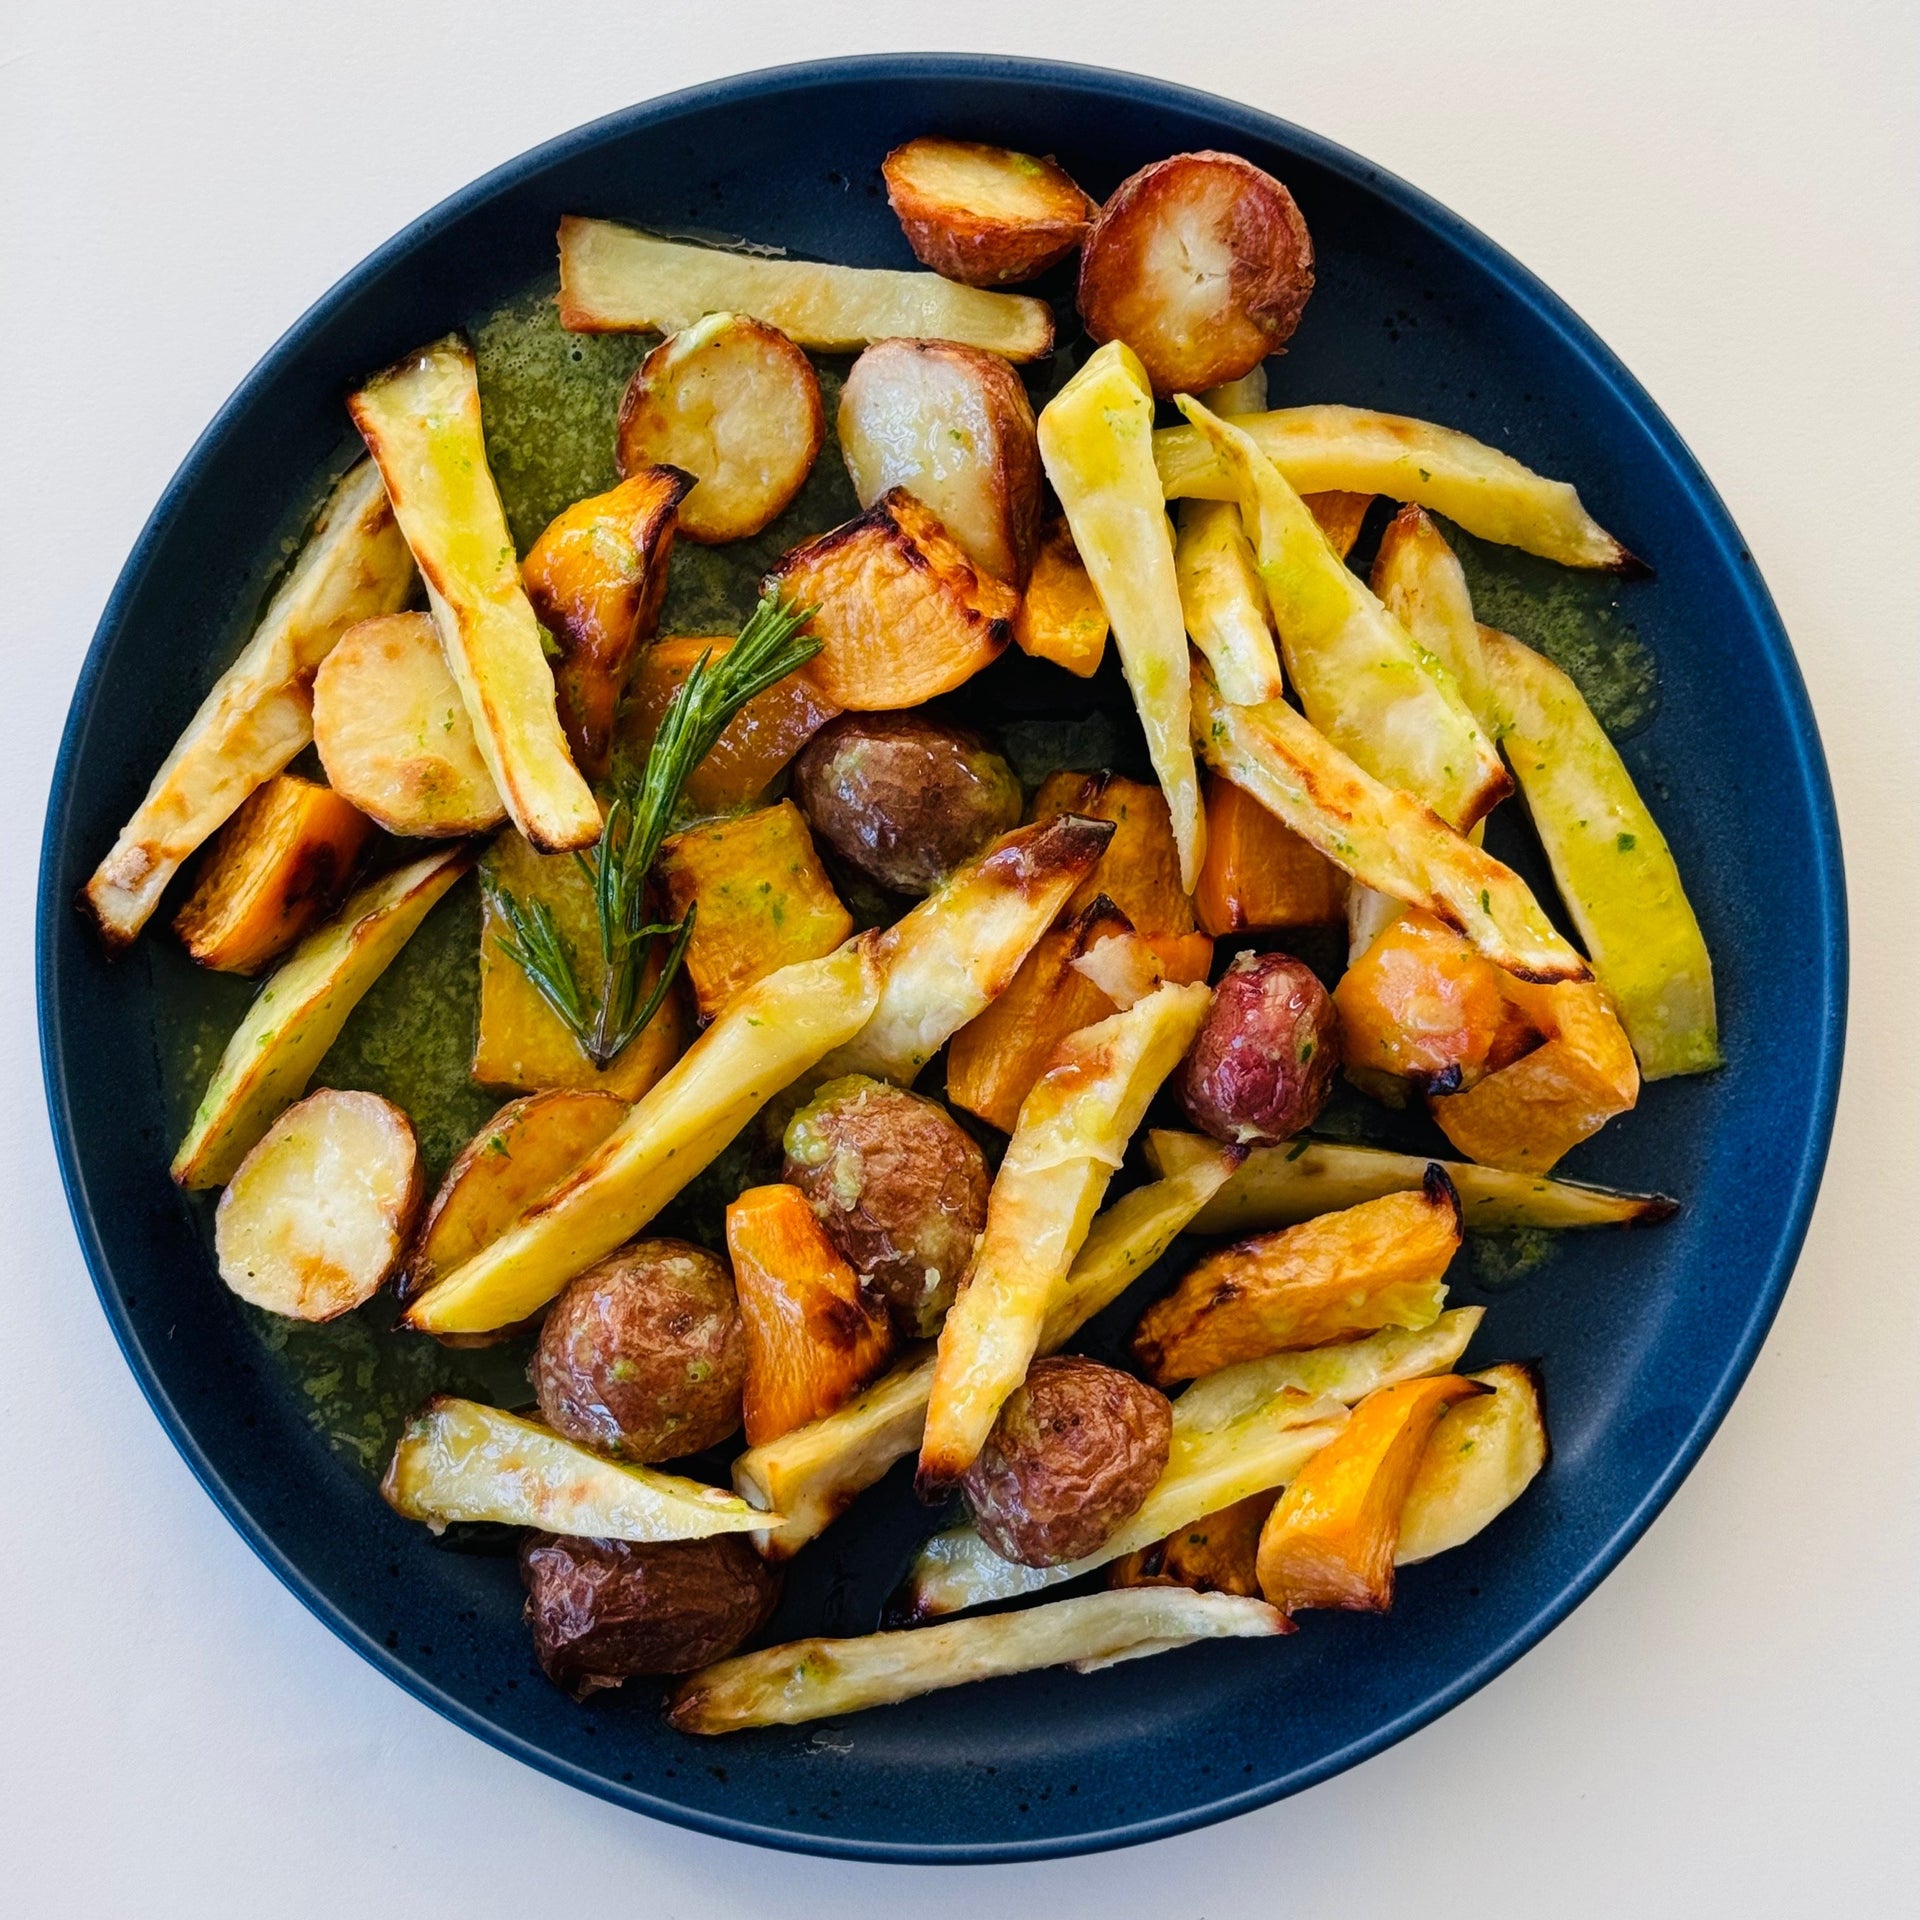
(1201, 264)
(315, 1219)
(984, 216)
(952, 425)
(735, 403)
(393, 732)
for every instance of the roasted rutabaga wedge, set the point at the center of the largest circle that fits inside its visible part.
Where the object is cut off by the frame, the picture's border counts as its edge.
(1072, 1135)
(1382, 837)
(1224, 603)
(1611, 861)
(616, 279)
(811, 1679)
(813, 1474)
(769, 1035)
(298, 1015)
(1482, 1457)
(1281, 1186)
(1421, 583)
(1096, 445)
(421, 422)
(260, 713)
(1328, 449)
(458, 1460)
(1361, 679)
(1242, 1431)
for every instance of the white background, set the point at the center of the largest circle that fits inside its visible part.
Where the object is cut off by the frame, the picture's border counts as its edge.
(1728, 194)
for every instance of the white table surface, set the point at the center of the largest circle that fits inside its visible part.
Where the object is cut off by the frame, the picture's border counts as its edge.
(1728, 194)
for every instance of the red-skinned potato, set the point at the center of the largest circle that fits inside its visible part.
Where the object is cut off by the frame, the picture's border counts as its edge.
(1201, 264)
(984, 216)
(1264, 1063)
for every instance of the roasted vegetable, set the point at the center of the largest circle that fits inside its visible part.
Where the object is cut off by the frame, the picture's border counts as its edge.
(1263, 1064)
(393, 735)
(901, 613)
(605, 1610)
(1380, 1264)
(643, 1357)
(596, 578)
(458, 1460)
(317, 1215)
(814, 1679)
(1095, 442)
(900, 1190)
(298, 1015)
(759, 897)
(1223, 602)
(617, 279)
(1202, 264)
(1340, 516)
(984, 215)
(954, 426)
(1140, 869)
(258, 715)
(281, 863)
(1060, 616)
(1421, 583)
(421, 422)
(1258, 876)
(1330, 1539)
(768, 1037)
(1482, 1456)
(733, 404)
(813, 1338)
(1216, 1554)
(1073, 1129)
(903, 798)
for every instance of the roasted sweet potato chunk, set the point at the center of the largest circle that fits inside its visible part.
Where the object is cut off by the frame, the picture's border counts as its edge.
(1140, 870)
(1216, 1554)
(280, 864)
(903, 614)
(984, 216)
(813, 1339)
(1340, 516)
(759, 896)
(1060, 617)
(1258, 876)
(596, 578)
(1330, 1539)
(1380, 1264)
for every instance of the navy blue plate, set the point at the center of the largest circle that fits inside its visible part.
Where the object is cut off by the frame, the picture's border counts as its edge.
(1645, 1338)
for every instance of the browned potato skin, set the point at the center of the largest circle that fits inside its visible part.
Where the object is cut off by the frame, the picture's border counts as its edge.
(963, 240)
(1265, 1060)
(899, 1187)
(903, 798)
(643, 1356)
(1074, 1452)
(604, 1610)
(1267, 287)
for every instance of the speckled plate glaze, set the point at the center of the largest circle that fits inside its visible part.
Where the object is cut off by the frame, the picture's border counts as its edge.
(1644, 1338)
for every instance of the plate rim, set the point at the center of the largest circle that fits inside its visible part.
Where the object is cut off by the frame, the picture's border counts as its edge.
(1810, 779)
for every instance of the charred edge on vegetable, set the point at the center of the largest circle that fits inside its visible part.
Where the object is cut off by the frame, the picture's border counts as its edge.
(1439, 1191)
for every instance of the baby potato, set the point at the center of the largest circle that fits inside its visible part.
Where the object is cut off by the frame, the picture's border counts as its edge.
(735, 403)
(899, 1187)
(605, 1610)
(1073, 1453)
(952, 425)
(1264, 1062)
(315, 1218)
(903, 798)
(984, 216)
(393, 733)
(642, 1357)
(1201, 264)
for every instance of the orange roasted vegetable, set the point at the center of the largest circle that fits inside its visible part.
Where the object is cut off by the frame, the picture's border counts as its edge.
(1140, 870)
(1340, 516)
(1216, 1554)
(760, 899)
(1329, 1541)
(280, 864)
(813, 1339)
(1258, 876)
(1380, 1264)
(902, 613)
(1061, 618)
(596, 577)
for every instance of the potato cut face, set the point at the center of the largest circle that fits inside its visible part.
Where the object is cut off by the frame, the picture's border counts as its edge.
(985, 216)
(903, 614)
(1202, 265)
(316, 1216)
(1061, 618)
(954, 426)
(281, 863)
(735, 404)
(1258, 876)
(759, 896)
(1140, 869)
(393, 733)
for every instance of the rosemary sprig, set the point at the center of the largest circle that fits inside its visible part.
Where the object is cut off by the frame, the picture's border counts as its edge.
(638, 816)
